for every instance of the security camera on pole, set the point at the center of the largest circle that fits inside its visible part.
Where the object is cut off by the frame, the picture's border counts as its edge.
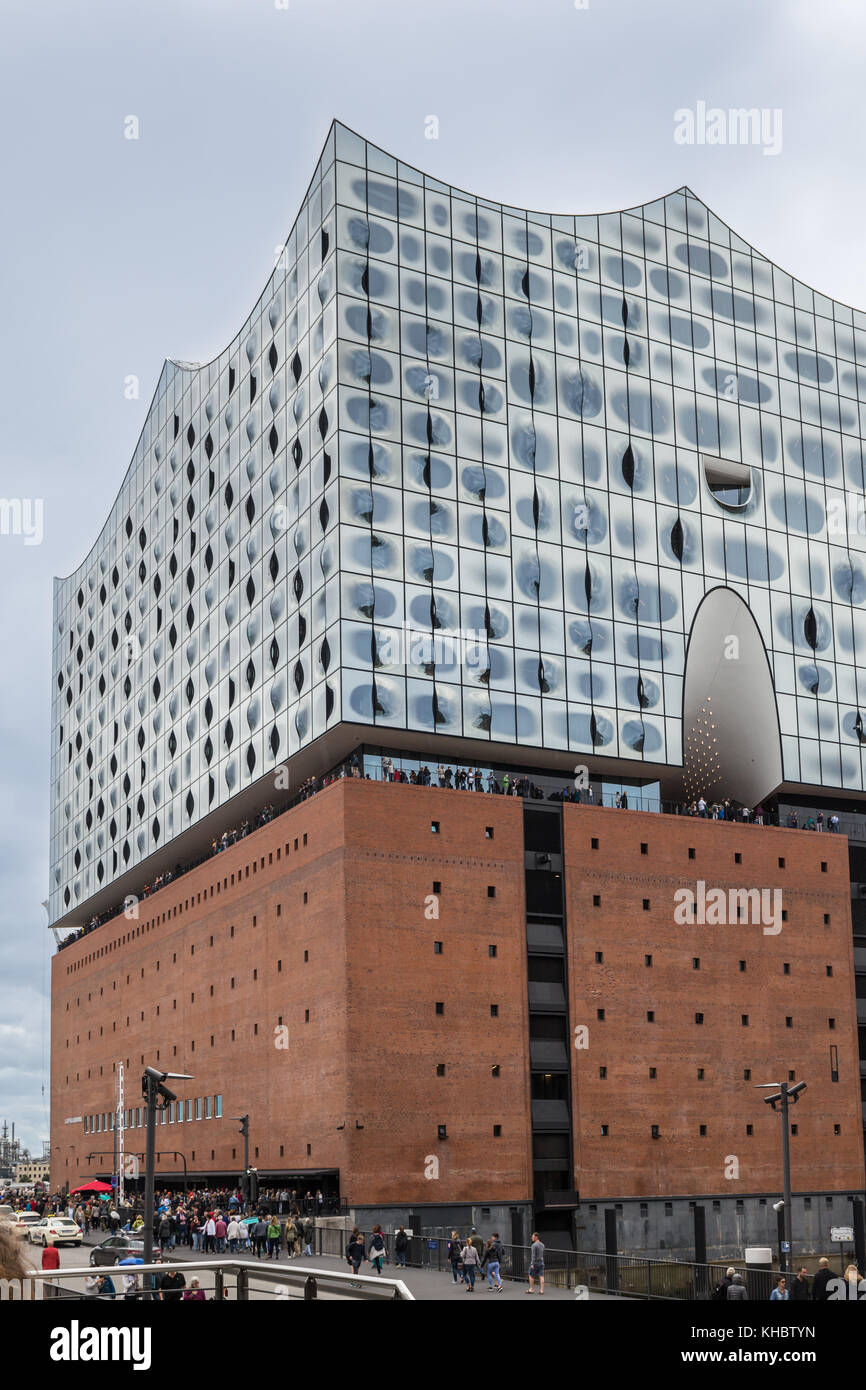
(152, 1089)
(783, 1096)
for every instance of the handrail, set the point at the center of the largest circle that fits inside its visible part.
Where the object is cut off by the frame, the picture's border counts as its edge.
(346, 1281)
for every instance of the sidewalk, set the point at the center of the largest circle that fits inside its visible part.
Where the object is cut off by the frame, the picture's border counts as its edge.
(427, 1285)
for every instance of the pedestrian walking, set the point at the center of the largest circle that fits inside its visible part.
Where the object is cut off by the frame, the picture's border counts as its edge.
(401, 1245)
(780, 1292)
(469, 1256)
(536, 1264)
(492, 1259)
(355, 1250)
(825, 1275)
(737, 1290)
(800, 1286)
(454, 1248)
(378, 1249)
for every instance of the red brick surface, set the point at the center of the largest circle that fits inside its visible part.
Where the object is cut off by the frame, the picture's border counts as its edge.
(368, 1055)
(629, 1161)
(357, 1082)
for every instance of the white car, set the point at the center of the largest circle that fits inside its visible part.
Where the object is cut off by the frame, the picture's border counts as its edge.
(23, 1220)
(55, 1230)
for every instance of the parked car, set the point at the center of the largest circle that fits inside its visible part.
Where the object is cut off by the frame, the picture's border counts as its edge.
(55, 1230)
(108, 1252)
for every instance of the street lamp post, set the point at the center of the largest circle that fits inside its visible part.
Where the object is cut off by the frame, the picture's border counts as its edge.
(244, 1122)
(152, 1088)
(783, 1096)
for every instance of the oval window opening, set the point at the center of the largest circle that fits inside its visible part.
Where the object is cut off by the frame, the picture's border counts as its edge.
(729, 482)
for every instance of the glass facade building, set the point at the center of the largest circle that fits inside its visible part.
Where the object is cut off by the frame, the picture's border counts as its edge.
(474, 478)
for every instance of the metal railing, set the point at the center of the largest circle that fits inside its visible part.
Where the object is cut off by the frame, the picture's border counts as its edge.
(628, 1276)
(233, 1277)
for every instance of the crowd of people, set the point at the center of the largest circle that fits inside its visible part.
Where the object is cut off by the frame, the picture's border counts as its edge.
(824, 1287)
(457, 777)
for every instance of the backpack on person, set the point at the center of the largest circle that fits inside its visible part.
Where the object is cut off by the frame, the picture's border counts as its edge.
(377, 1243)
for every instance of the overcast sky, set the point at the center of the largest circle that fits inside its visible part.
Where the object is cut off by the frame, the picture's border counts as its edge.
(119, 253)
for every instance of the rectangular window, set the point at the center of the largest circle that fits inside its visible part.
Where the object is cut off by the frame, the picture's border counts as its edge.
(644, 849)
(434, 827)
(437, 948)
(491, 950)
(207, 1107)
(198, 1108)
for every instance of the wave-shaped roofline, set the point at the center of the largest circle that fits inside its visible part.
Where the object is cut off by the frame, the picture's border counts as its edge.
(181, 365)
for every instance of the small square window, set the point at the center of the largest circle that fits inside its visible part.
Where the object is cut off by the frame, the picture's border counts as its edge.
(494, 1010)
(699, 1018)
(437, 886)
(700, 1073)
(491, 950)
(792, 1076)
(488, 832)
(742, 965)
(599, 1013)
(786, 967)
(647, 960)
(837, 1129)
(599, 957)
(826, 919)
(604, 1131)
(691, 852)
(434, 827)
(593, 844)
(747, 1074)
(644, 849)
(793, 1129)
(437, 948)
(831, 1023)
(602, 1072)
(744, 1020)
(652, 1073)
(497, 1131)
(646, 904)
(440, 1069)
(491, 891)
(749, 1129)
(784, 914)
(738, 858)
(781, 863)
(495, 1070)
(441, 1131)
(596, 900)
(650, 1016)
(654, 1131)
(702, 1130)
(696, 962)
(829, 970)
(823, 866)
(440, 1007)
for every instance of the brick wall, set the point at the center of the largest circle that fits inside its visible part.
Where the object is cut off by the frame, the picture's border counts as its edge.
(628, 1161)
